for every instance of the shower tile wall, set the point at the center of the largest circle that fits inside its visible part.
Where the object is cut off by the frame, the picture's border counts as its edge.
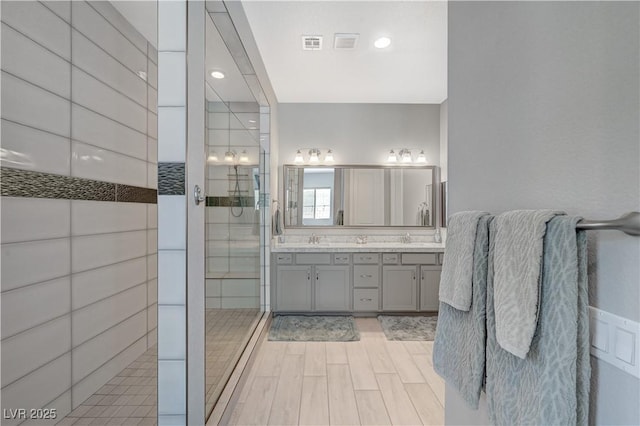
(233, 260)
(79, 287)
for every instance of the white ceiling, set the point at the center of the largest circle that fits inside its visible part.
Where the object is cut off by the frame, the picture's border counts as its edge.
(412, 70)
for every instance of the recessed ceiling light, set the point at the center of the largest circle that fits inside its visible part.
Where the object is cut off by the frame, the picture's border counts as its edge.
(382, 42)
(217, 74)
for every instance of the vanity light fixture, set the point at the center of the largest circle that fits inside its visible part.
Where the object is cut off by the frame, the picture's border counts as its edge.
(213, 157)
(229, 156)
(329, 157)
(298, 159)
(382, 42)
(421, 157)
(314, 156)
(217, 74)
(244, 157)
(392, 158)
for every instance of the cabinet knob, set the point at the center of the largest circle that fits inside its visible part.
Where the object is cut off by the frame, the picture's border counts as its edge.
(365, 276)
(365, 300)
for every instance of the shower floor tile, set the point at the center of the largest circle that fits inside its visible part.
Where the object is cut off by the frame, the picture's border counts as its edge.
(130, 398)
(127, 399)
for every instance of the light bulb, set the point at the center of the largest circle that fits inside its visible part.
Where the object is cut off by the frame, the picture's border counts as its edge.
(244, 158)
(314, 156)
(329, 157)
(228, 156)
(392, 157)
(298, 159)
(421, 158)
(217, 74)
(406, 156)
(213, 157)
(382, 42)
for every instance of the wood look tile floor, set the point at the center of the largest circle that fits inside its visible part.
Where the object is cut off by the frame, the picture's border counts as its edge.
(370, 382)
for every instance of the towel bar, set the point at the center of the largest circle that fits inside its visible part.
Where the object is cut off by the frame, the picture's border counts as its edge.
(628, 223)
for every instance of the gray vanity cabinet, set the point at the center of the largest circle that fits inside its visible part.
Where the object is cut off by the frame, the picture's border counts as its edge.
(332, 289)
(365, 283)
(429, 287)
(294, 288)
(399, 288)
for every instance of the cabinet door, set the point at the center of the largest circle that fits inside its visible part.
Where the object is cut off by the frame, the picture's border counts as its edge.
(293, 288)
(332, 288)
(399, 288)
(429, 287)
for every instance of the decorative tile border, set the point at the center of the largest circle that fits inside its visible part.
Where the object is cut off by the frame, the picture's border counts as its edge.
(136, 194)
(171, 178)
(230, 202)
(26, 183)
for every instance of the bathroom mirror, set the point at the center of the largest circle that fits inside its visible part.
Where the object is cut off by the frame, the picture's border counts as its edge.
(360, 196)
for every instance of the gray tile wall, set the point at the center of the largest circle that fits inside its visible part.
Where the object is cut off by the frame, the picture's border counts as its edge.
(79, 277)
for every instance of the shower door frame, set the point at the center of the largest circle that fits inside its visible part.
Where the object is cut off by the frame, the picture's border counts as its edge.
(195, 175)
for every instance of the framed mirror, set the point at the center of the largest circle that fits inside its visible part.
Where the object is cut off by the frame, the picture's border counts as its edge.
(360, 196)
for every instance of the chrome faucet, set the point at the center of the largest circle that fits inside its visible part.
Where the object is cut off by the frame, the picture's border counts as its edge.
(406, 238)
(361, 239)
(314, 239)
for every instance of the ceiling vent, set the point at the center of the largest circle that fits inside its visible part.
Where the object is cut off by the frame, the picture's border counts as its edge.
(311, 42)
(345, 41)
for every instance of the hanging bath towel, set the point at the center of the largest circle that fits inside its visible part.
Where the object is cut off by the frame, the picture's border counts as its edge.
(277, 222)
(459, 262)
(518, 239)
(459, 347)
(550, 386)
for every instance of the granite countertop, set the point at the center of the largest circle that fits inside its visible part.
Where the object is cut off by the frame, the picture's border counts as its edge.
(338, 247)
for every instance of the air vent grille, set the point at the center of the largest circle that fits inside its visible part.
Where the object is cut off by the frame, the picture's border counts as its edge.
(311, 42)
(345, 41)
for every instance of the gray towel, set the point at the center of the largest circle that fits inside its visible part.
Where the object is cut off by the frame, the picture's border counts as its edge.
(550, 386)
(459, 347)
(277, 222)
(458, 265)
(518, 257)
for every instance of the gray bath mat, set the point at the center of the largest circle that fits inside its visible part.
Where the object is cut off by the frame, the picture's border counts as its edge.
(408, 328)
(300, 328)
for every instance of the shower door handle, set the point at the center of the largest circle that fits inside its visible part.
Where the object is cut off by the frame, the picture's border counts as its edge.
(197, 195)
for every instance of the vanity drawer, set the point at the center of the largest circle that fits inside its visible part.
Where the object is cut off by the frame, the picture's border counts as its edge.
(365, 299)
(284, 258)
(341, 259)
(419, 258)
(366, 276)
(313, 259)
(389, 258)
(365, 258)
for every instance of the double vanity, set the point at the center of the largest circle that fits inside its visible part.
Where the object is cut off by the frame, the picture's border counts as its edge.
(362, 279)
(367, 274)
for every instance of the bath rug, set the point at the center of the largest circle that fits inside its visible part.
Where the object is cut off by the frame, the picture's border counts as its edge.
(408, 328)
(300, 328)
